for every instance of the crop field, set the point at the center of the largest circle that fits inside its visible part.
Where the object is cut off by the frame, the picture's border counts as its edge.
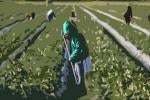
(131, 34)
(30, 60)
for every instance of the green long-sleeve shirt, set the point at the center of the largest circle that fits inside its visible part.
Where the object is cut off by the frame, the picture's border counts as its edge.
(78, 47)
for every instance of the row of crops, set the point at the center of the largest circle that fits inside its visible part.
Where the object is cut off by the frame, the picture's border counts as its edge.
(114, 75)
(18, 77)
(140, 13)
(15, 12)
(20, 33)
(139, 39)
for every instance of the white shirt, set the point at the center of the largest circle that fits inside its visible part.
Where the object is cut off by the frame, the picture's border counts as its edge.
(49, 12)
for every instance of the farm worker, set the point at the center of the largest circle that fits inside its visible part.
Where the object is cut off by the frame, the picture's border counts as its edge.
(78, 51)
(149, 17)
(78, 56)
(30, 16)
(86, 61)
(73, 17)
(33, 15)
(128, 15)
(50, 15)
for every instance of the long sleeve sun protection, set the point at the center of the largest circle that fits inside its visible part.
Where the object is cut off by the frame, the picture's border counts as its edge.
(79, 49)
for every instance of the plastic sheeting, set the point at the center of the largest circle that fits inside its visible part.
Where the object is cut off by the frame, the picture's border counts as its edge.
(27, 43)
(8, 27)
(147, 32)
(132, 50)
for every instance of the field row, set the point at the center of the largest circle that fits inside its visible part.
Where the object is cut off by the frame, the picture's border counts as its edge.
(113, 69)
(14, 38)
(39, 60)
(139, 39)
(114, 73)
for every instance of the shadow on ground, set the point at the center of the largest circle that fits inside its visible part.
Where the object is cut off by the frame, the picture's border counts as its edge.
(33, 94)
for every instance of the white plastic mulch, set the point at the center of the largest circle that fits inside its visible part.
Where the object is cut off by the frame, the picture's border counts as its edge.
(132, 50)
(135, 26)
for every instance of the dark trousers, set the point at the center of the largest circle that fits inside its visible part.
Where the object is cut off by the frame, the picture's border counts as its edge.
(75, 91)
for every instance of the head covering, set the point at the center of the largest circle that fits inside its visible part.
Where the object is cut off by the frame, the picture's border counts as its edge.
(69, 28)
(49, 12)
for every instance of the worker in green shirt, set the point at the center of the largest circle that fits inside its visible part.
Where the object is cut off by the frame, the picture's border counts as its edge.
(78, 51)
(77, 44)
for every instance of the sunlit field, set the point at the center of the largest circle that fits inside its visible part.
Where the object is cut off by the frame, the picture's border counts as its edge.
(29, 68)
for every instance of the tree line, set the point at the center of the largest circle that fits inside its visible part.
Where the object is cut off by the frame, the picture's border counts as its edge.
(89, 0)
